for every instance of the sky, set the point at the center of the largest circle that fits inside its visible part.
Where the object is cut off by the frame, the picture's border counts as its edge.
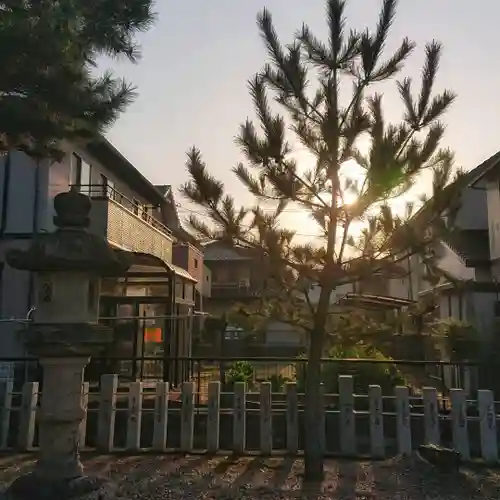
(200, 54)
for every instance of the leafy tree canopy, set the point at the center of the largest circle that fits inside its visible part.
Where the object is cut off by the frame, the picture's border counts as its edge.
(49, 51)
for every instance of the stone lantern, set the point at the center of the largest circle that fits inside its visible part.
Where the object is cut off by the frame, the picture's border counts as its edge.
(68, 265)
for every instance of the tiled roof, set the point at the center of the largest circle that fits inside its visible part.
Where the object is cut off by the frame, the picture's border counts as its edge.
(217, 251)
(182, 273)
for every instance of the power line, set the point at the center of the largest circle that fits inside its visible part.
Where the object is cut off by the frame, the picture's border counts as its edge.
(246, 226)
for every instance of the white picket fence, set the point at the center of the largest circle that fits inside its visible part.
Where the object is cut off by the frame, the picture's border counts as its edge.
(211, 411)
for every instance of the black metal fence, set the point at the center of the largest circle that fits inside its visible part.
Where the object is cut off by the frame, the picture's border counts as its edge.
(279, 371)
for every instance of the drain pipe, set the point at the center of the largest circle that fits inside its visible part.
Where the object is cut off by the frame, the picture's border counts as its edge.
(5, 192)
(34, 227)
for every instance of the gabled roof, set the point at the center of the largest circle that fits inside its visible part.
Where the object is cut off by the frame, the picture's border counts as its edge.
(106, 153)
(485, 168)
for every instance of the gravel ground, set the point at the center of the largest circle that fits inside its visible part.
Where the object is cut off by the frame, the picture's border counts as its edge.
(168, 477)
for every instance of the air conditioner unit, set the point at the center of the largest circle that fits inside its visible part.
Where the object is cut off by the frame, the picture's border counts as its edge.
(244, 283)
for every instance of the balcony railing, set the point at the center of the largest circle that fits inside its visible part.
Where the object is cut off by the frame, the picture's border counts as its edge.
(234, 290)
(127, 224)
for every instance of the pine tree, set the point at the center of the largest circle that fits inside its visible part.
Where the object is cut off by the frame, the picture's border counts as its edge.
(305, 78)
(49, 91)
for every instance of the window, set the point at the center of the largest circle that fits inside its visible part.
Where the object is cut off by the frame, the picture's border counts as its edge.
(80, 174)
(75, 175)
(196, 263)
(85, 180)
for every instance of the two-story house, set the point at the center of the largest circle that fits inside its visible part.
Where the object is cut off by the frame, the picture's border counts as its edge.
(239, 276)
(155, 299)
(468, 287)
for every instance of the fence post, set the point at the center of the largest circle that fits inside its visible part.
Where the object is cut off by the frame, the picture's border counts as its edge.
(431, 416)
(266, 419)
(161, 417)
(106, 416)
(292, 418)
(403, 423)
(213, 416)
(239, 420)
(459, 422)
(85, 406)
(347, 424)
(27, 416)
(134, 416)
(322, 417)
(5, 414)
(376, 421)
(487, 426)
(187, 417)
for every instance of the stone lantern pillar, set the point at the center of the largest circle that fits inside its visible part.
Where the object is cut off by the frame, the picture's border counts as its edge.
(68, 265)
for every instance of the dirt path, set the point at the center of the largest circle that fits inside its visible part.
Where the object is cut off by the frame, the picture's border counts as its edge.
(171, 477)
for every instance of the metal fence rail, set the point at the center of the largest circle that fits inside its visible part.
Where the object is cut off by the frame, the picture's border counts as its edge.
(414, 374)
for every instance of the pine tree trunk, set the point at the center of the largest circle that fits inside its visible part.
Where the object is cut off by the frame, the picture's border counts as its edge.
(313, 447)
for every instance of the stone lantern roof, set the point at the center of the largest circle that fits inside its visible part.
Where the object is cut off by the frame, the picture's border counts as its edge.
(71, 247)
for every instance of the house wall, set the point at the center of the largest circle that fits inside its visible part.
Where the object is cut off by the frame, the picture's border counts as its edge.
(473, 212)
(493, 195)
(228, 272)
(15, 302)
(206, 288)
(18, 184)
(189, 258)
(337, 294)
(20, 218)
(283, 334)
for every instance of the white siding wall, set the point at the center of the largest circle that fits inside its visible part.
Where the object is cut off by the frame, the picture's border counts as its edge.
(494, 219)
(337, 294)
(473, 212)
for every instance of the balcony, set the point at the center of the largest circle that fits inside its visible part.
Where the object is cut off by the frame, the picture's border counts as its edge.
(233, 291)
(125, 224)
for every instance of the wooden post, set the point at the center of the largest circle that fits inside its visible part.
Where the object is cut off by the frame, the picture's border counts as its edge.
(85, 405)
(213, 416)
(107, 412)
(292, 418)
(376, 421)
(459, 422)
(403, 424)
(187, 417)
(239, 420)
(487, 426)
(431, 416)
(161, 417)
(5, 414)
(27, 416)
(266, 422)
(134, 416)
(347, 424)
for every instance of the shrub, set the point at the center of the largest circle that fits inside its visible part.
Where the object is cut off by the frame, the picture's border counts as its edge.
(381, 372)
(240, 371)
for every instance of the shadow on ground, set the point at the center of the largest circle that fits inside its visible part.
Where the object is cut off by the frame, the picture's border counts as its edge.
(223, 477)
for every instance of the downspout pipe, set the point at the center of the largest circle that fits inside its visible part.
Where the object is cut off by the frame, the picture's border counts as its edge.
(5, 192)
